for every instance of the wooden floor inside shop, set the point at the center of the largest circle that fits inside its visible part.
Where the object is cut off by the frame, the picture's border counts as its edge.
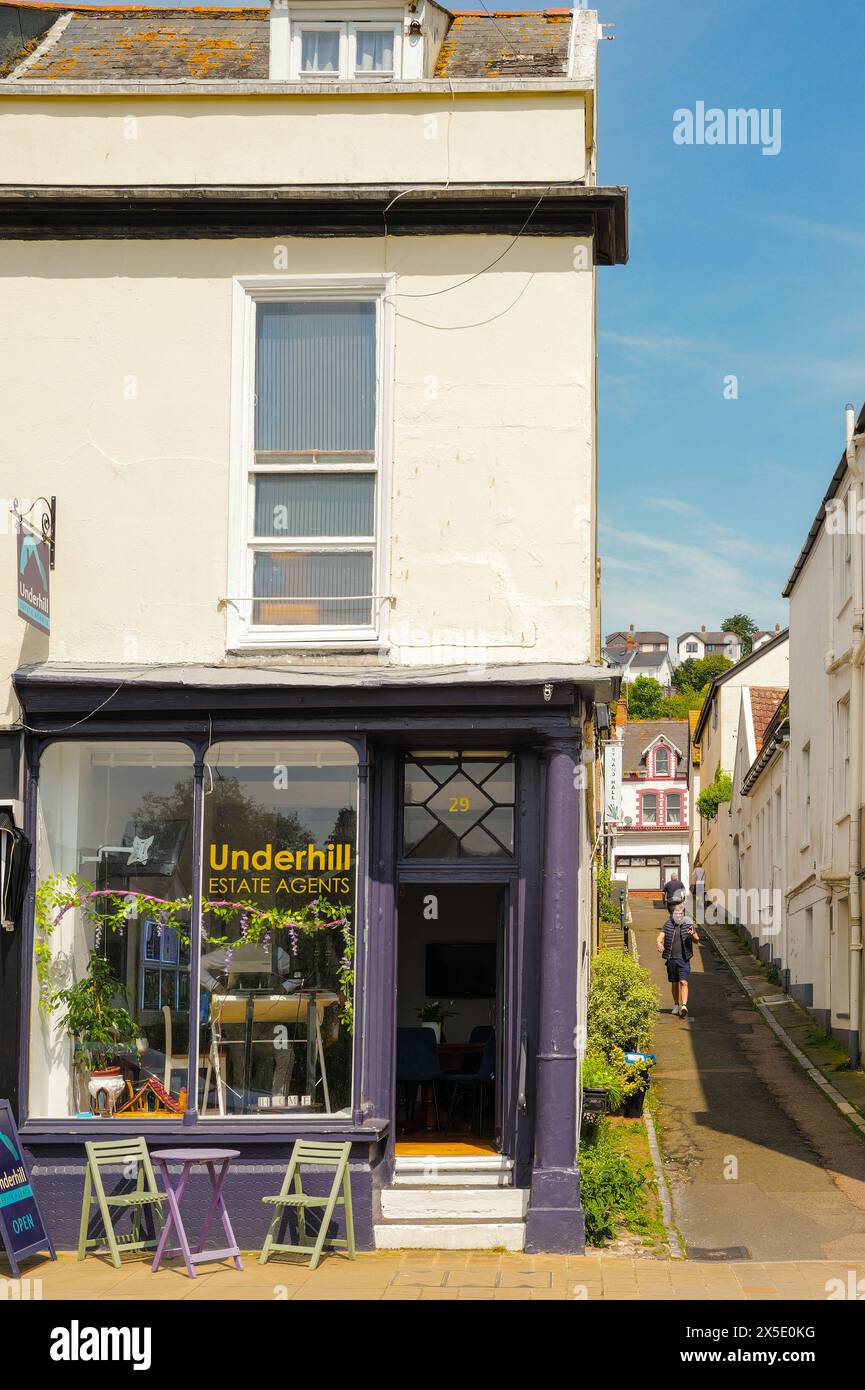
(415, 1145)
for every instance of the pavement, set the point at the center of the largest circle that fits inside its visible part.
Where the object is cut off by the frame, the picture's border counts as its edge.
(442, 1275)
(759, 1163)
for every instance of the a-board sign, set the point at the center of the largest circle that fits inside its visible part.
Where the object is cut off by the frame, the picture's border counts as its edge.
(21, 1224)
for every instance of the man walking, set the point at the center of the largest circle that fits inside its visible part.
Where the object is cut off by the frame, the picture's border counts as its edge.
(676, 944)
(674, 891)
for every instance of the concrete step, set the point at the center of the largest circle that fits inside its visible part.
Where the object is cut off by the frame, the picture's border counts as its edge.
(450, 1235)
(454, 1178)
(454, 1204)
(428, 1170)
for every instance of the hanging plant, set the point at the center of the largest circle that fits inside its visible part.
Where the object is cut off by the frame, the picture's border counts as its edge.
(109, 910)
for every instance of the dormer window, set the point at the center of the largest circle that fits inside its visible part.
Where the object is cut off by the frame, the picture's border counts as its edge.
(662, 761)
(342, 50)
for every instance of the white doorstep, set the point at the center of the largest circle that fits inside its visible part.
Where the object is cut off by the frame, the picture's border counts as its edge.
(450, 1235)
(454, 1203)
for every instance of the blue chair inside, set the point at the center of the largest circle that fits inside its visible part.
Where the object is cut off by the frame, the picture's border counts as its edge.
(484, 1074)
(417, 1063)
(481, 1033)
(417, 1057)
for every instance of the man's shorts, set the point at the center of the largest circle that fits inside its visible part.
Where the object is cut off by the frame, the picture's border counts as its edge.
(678, 970)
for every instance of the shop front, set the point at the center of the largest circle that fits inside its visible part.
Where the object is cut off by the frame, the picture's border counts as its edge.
(253, 888)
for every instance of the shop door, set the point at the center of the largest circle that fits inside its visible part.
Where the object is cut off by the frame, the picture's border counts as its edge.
(452, 952)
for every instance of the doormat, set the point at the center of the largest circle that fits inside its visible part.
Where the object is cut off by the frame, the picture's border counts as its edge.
(718, 1252)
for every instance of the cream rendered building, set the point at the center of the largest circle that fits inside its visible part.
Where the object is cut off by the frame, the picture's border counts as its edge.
(827, 650)
(716, 738)
(759, 812)
(300, 333)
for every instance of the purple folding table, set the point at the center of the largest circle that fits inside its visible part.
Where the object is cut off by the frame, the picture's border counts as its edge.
(188, 1158)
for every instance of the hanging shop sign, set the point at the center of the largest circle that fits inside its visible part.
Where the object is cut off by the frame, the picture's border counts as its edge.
(35, 562)
(21, 1225)
(613, 783)
(33, 597)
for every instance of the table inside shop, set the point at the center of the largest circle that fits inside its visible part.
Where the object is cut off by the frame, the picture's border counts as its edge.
(255, 1006)
(451, 1055)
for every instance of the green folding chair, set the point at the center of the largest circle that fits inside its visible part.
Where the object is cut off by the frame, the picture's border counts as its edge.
(309, 1154)
(119, 1153)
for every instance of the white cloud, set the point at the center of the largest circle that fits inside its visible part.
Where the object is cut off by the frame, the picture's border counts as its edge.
(671, 583)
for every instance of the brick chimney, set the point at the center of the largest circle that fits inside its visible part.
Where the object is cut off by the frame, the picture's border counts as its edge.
(702, 627)
(629, 637)
(621, 713)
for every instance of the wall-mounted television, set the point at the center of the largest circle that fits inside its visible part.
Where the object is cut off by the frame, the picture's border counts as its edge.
(464, 970)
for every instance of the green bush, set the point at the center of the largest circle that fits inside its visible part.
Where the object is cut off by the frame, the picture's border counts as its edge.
(623, 1005)
(715, 794)
(612, 1189)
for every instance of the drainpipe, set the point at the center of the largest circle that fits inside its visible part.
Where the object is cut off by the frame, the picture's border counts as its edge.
(854, 463)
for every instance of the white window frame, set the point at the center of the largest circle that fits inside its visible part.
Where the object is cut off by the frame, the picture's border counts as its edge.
(241, 633)
(315, 26)
(348, 31)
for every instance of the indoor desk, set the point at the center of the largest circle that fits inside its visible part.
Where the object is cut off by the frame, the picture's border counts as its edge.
(254, 1006)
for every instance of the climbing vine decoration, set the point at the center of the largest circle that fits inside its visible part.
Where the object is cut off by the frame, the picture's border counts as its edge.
(110, 910)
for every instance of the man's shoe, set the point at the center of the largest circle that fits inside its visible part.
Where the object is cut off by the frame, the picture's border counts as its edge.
(683, 1012)
(675, 1010)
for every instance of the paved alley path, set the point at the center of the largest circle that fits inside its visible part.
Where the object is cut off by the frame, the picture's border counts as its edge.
(733, 1101)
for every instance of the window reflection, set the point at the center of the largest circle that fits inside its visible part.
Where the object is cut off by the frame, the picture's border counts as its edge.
(280, 836)
(115, 819)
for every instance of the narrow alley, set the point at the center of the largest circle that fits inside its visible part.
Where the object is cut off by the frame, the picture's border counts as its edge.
(760, 1165)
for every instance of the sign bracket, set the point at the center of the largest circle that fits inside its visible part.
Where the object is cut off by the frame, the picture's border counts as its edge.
(47, 529)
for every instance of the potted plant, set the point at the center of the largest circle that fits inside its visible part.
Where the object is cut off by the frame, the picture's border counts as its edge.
(602, 1085)
(636, 1080)
(99, 1028)
(433, 1015)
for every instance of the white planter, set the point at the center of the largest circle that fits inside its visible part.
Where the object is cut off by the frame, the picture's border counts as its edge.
(112, 1086)
(436, 1028)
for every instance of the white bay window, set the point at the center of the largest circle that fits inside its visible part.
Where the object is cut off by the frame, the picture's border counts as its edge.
(310, 405)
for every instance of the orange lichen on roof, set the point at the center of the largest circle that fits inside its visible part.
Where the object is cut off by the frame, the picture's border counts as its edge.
(524, 42)
(124, 11)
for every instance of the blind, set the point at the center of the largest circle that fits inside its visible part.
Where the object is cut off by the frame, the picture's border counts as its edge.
(315, 377)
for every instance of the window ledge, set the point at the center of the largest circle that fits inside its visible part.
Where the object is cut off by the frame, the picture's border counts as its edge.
(360, 644)
(249, 1128)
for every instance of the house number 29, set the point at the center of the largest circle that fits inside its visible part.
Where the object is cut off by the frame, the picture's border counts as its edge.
(460, 803)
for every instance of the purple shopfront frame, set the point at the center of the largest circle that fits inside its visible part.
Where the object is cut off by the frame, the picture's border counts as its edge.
(539, 883)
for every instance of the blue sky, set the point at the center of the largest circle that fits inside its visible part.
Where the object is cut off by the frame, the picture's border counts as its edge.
(741, 265)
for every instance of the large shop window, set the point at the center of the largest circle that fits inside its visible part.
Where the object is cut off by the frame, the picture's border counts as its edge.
(311, 501)
(116, 939)
(111, 998)
(280, 833)
(459, 805)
